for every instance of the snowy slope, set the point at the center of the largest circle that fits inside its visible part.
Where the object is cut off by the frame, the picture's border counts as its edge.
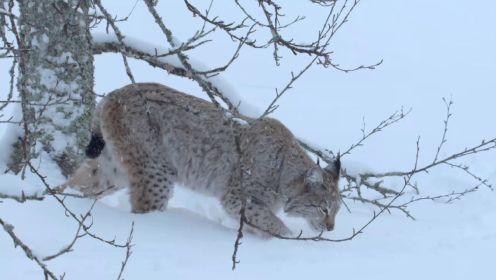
(431, 50)
(446, 242)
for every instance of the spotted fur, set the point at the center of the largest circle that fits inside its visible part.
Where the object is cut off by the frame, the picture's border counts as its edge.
(151, 137)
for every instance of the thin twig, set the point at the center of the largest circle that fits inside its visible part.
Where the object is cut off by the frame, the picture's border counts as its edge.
(9, 229)
(445, 126)
(128, 252)
(237, 243)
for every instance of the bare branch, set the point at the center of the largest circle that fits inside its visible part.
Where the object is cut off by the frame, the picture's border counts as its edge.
(9, 229)
(392, 119)
(7, 13)
(119, 35)
(445, 130)
(68, 248)
(467, 171)
(375, 181)
(317, 49)
(319, 237)
(153, 60)
(128, 252)
(237, 243)
(207, 86)
(272, 106)
(23, 198)
(482, 147)
(86, 228)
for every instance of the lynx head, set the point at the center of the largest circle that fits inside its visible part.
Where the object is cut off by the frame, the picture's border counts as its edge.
(319, 200)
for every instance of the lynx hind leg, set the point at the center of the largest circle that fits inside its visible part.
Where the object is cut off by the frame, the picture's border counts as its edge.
(256, 213)
(151, 185)
(87, 179)
(133, 134)
(99, 176)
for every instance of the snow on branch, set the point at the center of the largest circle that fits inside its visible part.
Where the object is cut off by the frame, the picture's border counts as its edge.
(175, 61)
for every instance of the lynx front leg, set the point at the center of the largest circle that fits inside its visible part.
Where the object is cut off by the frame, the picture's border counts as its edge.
(151, 186)
(256, 212)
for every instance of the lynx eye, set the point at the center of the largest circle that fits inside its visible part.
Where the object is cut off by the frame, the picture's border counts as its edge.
(323, 210)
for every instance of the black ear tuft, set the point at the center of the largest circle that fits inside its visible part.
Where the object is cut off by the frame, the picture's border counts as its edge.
(335, 167)
(95, 147)
(337, 162)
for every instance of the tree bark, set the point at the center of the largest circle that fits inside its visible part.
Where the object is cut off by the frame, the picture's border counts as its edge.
(55, 83)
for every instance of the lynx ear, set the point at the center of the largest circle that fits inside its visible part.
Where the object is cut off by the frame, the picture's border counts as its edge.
(314, 176)
(334, 168)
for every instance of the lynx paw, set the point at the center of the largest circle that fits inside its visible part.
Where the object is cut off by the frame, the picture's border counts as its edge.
(270, 233)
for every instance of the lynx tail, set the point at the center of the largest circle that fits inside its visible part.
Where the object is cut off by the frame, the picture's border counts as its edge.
(95, 147)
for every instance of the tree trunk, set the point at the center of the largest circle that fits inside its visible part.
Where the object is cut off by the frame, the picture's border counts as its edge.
(55, 82)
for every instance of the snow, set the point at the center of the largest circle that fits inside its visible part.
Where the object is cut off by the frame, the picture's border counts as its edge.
(10, 132)
(5, 12)
(14, 186)
(41, 43)
(447, 241)
(426, 58)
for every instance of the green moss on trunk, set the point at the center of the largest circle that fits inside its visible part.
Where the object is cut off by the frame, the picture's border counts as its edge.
(56, 81)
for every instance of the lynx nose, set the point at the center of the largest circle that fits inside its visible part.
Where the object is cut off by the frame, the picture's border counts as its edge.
(330, 226)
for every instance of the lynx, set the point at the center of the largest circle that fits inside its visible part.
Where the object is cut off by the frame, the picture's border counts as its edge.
(149, 137)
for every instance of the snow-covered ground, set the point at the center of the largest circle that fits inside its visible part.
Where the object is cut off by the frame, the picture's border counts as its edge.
(194, 239)
(431, 50)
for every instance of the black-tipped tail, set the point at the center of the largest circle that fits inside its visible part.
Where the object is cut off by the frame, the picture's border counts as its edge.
(95, 147)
